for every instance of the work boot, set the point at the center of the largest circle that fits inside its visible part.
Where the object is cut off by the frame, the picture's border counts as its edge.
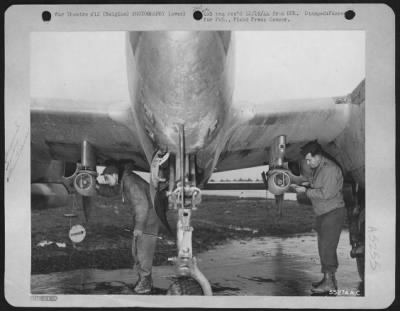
(328, 284)
(144, 286)
(316, 284)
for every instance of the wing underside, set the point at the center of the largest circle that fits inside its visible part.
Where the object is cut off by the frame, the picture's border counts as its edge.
(58, 128)
(253, 129)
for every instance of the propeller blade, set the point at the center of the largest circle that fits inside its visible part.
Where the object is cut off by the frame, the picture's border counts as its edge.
(161, 208)
(87, 206)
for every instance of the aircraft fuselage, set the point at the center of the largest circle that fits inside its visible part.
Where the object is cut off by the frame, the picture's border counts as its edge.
(177, 78)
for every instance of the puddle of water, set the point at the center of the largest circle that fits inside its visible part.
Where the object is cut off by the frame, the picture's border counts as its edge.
(277, 266)
(268, 266)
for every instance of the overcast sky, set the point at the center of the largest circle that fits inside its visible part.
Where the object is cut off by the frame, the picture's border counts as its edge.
(269, 65)
(298, 64)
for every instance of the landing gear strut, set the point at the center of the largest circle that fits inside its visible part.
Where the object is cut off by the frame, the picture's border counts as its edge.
(84, 178)
(185, 198)
(277, 179)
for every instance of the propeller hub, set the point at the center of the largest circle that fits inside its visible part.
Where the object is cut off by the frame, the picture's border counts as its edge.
(85, 183)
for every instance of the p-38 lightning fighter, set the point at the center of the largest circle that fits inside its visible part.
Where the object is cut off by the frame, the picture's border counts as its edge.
(182, 122)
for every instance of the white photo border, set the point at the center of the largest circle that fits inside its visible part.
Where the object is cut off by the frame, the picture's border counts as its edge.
(377, 20)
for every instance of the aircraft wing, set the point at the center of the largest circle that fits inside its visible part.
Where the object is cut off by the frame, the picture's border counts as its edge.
(58, 127)
(291, 88)
(254, 126)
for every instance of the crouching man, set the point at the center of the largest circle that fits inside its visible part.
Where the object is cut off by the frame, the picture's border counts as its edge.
(134, 191)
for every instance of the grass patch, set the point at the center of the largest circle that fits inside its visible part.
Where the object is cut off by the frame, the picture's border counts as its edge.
(108, 240)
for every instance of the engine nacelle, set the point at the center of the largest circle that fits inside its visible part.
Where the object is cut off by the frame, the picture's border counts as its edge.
(85, 183)
(278, 181)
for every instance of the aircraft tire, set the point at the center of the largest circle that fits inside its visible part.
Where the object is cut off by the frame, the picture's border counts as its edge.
(184, 286)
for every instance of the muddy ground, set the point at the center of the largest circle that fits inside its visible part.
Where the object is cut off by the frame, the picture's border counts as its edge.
(108, 236)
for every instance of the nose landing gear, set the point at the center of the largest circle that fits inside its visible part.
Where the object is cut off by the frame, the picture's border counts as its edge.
(179, 192)
(185, 198)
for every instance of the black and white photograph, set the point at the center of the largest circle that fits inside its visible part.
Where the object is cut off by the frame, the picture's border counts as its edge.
(231, 156)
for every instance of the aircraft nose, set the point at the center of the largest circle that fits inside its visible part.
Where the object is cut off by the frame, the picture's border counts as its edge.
(182, 81)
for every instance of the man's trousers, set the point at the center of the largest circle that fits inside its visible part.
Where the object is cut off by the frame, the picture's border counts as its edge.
(329, 227)
(144, 246)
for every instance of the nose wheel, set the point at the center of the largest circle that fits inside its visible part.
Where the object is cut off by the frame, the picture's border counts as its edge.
(185, 286)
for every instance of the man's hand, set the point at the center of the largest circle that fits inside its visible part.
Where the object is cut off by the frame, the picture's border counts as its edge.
(100, 180)
(298, 189)
(158, 160)
(137, 233)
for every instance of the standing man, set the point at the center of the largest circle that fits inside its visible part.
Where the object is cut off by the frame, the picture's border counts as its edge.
(326, 196)
(135, 191)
